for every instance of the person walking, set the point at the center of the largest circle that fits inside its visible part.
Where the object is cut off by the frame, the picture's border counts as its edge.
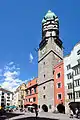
(71, 113)
(76, 111)
(36, 112)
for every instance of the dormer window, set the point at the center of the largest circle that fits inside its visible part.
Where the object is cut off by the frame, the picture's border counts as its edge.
(78, 52)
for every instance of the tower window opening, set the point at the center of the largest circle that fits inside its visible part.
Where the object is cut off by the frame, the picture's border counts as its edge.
(44, 75)
(44, 87)
(44, 96)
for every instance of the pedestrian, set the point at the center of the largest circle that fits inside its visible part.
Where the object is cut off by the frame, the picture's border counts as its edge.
(36, 112)
(76, 111)
(71, 113)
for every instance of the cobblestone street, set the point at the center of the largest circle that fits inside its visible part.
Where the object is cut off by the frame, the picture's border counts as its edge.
(31, 116)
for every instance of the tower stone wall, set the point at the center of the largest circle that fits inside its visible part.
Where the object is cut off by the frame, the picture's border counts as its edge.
(50, 52)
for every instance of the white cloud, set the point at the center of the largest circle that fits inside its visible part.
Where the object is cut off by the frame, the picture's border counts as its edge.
(11, 76)
(11, 63)
(31, 57)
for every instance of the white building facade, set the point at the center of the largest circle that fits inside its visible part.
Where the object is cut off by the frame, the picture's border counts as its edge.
(5, 97)
(15, 98)
(72, 76)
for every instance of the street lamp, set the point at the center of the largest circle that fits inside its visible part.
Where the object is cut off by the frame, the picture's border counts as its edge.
(73, 86)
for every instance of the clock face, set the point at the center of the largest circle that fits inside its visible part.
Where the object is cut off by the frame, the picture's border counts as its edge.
(43, 51)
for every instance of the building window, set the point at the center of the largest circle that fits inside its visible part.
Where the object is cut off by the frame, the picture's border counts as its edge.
(2, 96)
(69, 85)
(77, 71)
(2, 99)
(44, 63)
(34, 99)
(49, 106)
(30, 91)
(8, 97)
(77, 83)
(8, 93)
(77, 94)
(59, 96)
(29, 99)
(19, 106)
(44, 96)
(44, 87)
(78, 52)
(27, 92)
(69, 76)
(68, 67)
(34, 90)
(58, 85)
(58, 75)
(44, 75)
(2, 104)
(26, 100)
(70, 95)
(2, 93)
(8, 104)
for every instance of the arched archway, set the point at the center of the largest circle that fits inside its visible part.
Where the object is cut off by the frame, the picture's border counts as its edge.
(61, 108)
(45, 108)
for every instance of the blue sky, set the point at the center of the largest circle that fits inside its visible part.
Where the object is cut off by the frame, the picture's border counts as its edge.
(20, 33)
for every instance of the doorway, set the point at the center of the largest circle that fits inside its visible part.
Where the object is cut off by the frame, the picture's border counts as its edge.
(45, 108)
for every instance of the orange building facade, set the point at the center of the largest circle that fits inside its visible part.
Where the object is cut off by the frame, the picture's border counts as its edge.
(31, 93)
(59, 96)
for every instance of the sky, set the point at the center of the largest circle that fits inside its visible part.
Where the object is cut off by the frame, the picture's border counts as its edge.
(20, 34)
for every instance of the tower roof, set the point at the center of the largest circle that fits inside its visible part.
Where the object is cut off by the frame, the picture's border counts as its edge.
(49, 16)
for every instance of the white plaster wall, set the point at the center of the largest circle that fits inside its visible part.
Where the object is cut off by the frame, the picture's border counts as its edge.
(72, 60)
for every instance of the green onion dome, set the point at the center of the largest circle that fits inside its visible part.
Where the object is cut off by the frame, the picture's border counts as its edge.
(49, 16)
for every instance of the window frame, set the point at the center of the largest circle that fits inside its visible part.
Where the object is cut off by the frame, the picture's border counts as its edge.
(58, 96)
